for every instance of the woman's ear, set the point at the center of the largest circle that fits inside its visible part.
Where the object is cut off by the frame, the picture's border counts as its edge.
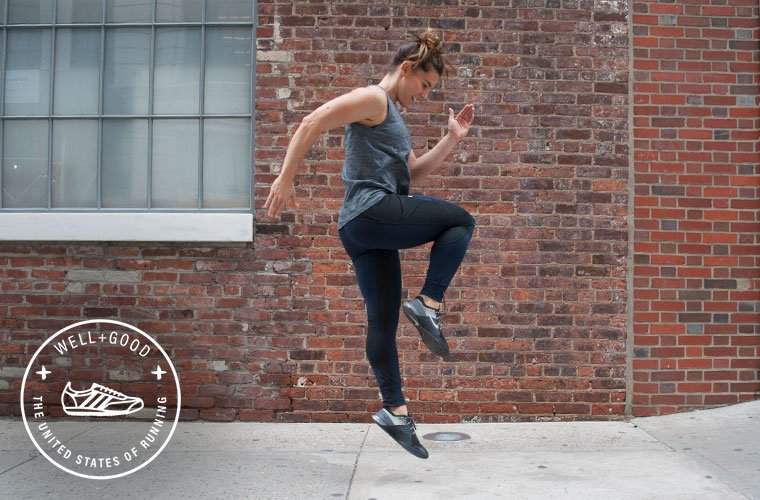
(406, 68)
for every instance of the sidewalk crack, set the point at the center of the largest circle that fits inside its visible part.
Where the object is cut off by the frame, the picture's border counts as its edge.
(356, 462)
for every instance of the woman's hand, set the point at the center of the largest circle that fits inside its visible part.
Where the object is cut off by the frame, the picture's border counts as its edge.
(281, 195)
(460, 125)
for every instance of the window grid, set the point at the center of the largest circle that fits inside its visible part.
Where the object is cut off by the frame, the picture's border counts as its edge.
(149, 177)
(2, 95)
(201, 87)
(150, 116)
(50, 111)
(99, 180)
(2, 103)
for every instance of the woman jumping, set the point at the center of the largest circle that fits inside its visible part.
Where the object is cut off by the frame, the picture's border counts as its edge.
(379, 216)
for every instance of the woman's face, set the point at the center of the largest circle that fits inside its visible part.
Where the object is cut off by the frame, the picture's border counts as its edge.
(415, 84)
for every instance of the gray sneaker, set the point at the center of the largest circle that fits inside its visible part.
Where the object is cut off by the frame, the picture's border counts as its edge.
(402, 429)
(428, 323)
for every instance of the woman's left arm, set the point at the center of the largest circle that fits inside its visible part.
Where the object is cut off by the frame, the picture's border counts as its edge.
(459, 126)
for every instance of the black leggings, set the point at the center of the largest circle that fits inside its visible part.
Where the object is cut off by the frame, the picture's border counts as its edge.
(373, 240)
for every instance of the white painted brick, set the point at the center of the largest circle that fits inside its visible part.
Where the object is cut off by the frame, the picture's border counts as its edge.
(273, 55)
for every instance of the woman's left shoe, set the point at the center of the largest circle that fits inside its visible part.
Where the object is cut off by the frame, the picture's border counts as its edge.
(428, 323)
(402, 429)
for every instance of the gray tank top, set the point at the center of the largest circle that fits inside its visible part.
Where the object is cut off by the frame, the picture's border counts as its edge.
(375, 164)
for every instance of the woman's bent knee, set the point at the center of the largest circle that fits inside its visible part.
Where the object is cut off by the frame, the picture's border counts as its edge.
(456, 234)
(470, 221)
(466, 220)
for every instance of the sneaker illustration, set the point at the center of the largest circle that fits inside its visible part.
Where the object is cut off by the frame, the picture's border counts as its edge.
(98, 401)
(402, 429)
(428, 323)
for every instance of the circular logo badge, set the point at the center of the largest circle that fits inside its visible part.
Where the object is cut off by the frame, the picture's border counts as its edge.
(100, 399)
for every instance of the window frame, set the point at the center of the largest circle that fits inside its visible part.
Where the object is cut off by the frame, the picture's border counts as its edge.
(156, 224)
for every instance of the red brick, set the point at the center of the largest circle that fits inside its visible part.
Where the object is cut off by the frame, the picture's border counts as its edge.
(720, 399)
(693, 387)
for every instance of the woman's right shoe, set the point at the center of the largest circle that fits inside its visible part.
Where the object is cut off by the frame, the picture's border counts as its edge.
(428, 323)
(402, 429)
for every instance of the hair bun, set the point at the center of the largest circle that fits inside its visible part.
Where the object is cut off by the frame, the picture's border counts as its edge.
(430, 40)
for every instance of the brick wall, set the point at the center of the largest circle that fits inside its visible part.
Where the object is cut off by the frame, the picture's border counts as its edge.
(536, 316)
(697, 246)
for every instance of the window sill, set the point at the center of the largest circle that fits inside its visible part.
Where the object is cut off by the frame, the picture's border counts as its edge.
(84, 226)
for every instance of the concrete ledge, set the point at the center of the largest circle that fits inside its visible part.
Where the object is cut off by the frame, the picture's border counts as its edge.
(125, 226)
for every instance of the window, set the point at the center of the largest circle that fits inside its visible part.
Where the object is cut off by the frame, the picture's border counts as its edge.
(125, 107)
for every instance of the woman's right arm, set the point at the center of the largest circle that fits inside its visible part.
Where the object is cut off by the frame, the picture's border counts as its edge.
(359, 104)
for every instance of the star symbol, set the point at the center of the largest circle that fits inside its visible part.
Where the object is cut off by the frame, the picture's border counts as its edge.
(44, 372)
(158, 372)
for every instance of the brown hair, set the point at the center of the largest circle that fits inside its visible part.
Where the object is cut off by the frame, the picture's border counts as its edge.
(425, 53)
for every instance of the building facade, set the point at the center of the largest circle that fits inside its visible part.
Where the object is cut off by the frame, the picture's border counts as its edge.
(613, 170)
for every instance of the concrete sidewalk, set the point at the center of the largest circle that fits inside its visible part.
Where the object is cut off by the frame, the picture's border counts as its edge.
(709, 454)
